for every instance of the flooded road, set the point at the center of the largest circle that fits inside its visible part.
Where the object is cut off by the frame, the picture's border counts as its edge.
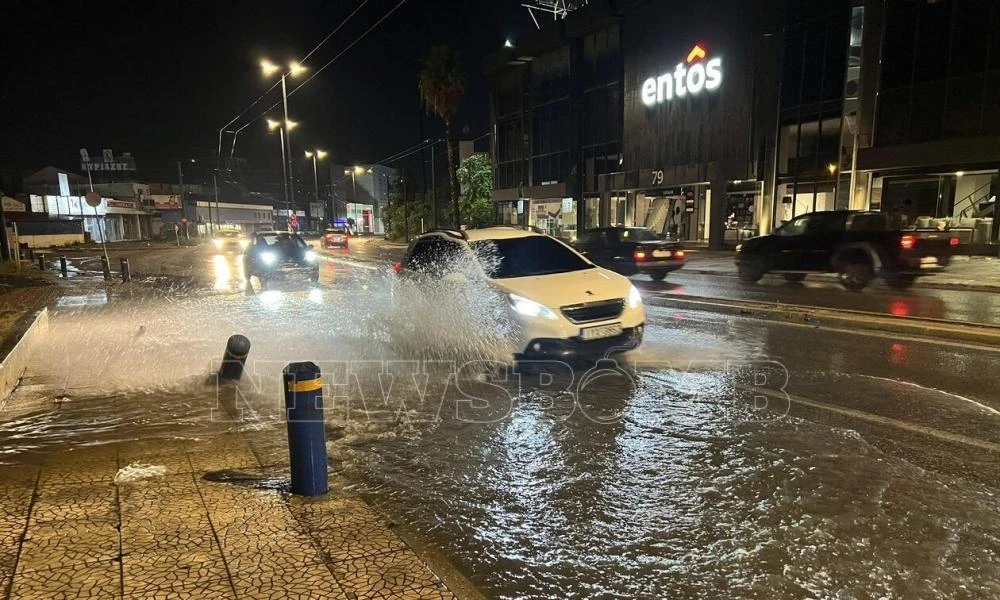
(723, 459)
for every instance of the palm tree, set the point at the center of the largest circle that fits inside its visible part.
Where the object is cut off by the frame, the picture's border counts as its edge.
(441, 89)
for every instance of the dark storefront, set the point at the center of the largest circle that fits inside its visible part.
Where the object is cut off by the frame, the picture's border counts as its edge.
(719, 120)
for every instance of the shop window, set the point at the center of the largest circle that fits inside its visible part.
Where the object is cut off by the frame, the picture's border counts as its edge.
(893, 117)
(592, 213)
(934, 31)
(928, 113)
(899, 44)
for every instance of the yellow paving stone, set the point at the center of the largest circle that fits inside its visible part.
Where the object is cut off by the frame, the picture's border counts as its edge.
(93, 502)
(67, 543)
(61, 470)
(94, 580)
(357, 541)
(392, 575)
(173, 462)
(301, 583)
(215, 591)
(160, 572)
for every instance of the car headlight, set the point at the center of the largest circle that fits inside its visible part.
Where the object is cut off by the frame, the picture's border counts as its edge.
(310, 256)
(634, 299)
(739, 247)
(244, 243)
(530, 308)
(218, 243)
(268, 258)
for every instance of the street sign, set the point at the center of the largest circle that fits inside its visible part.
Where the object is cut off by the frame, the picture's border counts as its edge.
(109, 156)
(93, 199)
(84, 155)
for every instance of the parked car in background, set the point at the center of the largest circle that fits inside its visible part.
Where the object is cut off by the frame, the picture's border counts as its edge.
(631, 251)
(858, 245)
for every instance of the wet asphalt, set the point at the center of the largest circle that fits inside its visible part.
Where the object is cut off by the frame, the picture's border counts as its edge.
(728, 457)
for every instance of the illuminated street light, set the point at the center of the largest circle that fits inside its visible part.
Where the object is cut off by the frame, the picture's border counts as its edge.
(832, 168)
(294, 68)
(315, 155)
(272, 124)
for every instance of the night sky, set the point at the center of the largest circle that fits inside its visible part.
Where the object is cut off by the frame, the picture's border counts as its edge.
(158, 78)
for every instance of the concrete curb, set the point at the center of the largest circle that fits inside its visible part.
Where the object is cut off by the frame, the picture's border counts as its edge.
(13, 365)
(934, 329)
(930, 284)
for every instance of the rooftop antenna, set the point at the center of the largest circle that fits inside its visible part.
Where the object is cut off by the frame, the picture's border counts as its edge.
(557, 8)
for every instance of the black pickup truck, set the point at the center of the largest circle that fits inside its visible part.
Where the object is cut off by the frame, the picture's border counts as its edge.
(859, 246)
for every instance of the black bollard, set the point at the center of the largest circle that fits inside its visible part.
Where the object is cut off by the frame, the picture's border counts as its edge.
(306, 431)
(233, 359)
(106, 267)
(126, 273)
(62, 266)
(41, 262)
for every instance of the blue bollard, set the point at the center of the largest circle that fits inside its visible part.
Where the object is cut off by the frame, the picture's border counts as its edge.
(306, 430)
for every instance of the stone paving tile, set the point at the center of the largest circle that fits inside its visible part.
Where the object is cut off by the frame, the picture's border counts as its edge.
(93, 502)
(147, 574)
(85, 466)
(95, 580)
(67, 544)
(348, 529)
(164, 515)
(302, 583)
(393, 575)
(227, 451)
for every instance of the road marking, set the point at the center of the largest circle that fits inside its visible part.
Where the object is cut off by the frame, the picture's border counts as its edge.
(940, 434)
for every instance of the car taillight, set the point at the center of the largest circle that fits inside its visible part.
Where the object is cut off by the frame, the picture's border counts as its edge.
(329, 236)
(396, 268)
(678, 254)
(639, 255)
(907, 242)
(953, 242)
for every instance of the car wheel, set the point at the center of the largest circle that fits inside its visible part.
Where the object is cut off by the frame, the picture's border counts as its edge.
(794, 277)
(751, 270)
(900, 282)
(658, 275)
(856, 276)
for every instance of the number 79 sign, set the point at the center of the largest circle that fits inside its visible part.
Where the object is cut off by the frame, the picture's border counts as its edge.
(657, 177)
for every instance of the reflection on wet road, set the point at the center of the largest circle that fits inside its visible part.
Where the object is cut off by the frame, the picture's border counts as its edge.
(957, 305)
(665, 476)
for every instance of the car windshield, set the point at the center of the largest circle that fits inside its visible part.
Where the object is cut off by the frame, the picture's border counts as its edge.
(282, 241)
(638, 234)
(526, 256)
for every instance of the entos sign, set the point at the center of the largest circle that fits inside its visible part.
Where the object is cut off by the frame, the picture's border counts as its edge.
(700, 74)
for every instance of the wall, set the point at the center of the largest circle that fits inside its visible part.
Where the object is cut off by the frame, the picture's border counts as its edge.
(51, 240)
(711, 127)
(17, 359)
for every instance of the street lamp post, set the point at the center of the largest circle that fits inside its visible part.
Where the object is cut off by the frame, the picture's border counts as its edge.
(294, 68)
(271, 126)
(316, 155)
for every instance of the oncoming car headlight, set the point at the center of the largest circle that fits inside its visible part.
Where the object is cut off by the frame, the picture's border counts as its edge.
(739, 248)
(634, 299)
(268, 258)
(530, 308)
(218, 243)
(244, 243)
(310, 256)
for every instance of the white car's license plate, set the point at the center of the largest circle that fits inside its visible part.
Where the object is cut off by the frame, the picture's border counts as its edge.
(662, 253)
(601, 331)
(928, 262)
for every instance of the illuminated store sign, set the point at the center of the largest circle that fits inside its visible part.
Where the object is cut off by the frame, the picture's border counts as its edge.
(699, 75)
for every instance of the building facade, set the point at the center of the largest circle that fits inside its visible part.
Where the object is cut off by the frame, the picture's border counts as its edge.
(719, 120)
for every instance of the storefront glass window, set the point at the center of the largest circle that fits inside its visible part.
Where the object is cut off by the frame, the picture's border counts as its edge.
(592, 218)
(551, 218)
(617, 210)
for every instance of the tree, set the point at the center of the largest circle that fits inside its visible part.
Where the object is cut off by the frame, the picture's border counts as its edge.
(441, 89)
(476, 178)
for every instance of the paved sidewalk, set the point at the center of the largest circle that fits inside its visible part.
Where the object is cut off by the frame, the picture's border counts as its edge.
(169, 518)
(965, 272)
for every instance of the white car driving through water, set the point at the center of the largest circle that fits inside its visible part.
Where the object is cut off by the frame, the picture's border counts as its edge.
(562, 305)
